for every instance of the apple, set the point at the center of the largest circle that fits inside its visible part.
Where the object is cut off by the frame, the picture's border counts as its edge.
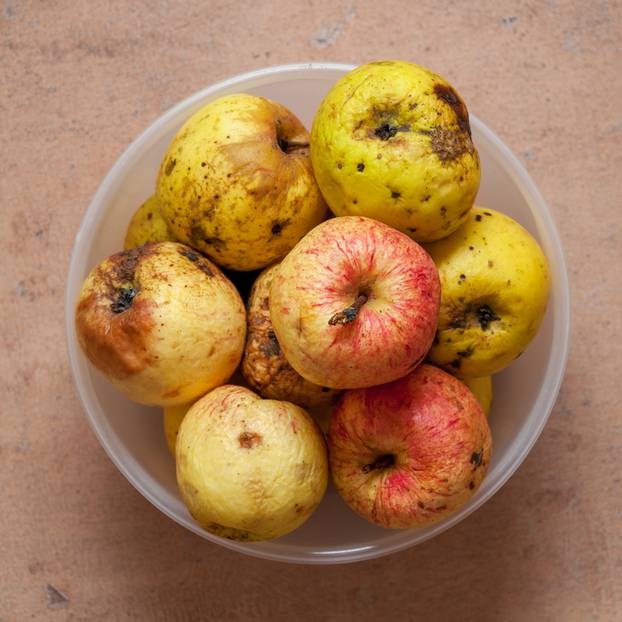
(237, 184)
(161, 322)
(355, 304)
(264, 365)
(147, 225)
(408, 453)
(495, 285)
(392, 141)
(249, 469)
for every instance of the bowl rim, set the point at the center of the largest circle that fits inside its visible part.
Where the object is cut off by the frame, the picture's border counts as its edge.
(273, 550)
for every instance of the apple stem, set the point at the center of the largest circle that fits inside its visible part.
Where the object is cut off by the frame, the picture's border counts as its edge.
(349, 313)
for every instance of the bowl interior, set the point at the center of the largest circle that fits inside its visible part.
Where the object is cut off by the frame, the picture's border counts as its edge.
(132, 434)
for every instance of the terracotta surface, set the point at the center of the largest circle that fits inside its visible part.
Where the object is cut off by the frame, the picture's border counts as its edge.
(79, 81)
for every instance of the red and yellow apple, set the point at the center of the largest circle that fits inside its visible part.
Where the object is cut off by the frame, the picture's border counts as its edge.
(355, 304)
(408, 453)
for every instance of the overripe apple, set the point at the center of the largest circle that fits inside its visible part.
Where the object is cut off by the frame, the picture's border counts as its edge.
(237, 184)
(354, 304)
(161, 322)
(408, 453)
(250, 469)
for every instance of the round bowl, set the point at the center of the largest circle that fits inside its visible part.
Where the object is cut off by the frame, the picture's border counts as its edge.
(132, 435)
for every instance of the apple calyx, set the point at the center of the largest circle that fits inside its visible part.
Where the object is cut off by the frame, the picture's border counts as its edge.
(124, 299)
(349, 313)
(384, 461)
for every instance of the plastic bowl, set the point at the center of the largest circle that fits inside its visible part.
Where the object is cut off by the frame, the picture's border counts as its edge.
(132, 434)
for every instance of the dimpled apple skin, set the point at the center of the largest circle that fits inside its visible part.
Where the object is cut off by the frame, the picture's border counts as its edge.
(237, 184)
(354, 304)
(161, 322)
(147, 225)
(495, 286)
(250, 469)
(392, 141)
(409, 453)
(264, 365)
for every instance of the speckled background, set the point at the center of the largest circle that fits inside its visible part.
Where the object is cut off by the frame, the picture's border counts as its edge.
(79, 81)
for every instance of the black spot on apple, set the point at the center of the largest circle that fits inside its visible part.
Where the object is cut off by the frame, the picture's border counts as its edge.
(478, 217)
(456, 363)
(412, 229)
(395, 194)
(170, 165)
(385, 461)
(271, 345)
(463, 277)
(426, 198)
(125, 297)
(466, 352)
(477, 458)
(485, 315)
(360, 167)
(443, 211)
(324, 389)
(198, 260)
(385, 131)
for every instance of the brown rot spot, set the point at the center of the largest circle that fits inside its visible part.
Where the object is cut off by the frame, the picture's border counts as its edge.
(443, 211)
(485, 315)
(248, 440)
(270, 347)
(170, 165)
(478, 217)
(447, 94)
(360, 167)
(386, 131)
(456, 363)
(420, 504)
(149, 216)
(471, 248)
(277, 227)
(203, 164)
(395, 194)
(490, 263)
(471, 485)
(124, 299)
(385, 461)
(448, 144)
(477, 458)
(339, 165)
(354, 201)
(349, 314)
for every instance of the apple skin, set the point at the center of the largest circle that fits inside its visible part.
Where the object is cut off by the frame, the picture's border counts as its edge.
(237, 184)
(250, 469)
(437, 435)
(161, 322)
(355, 304)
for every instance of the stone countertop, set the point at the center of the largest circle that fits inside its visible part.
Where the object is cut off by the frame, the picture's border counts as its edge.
(80, 80)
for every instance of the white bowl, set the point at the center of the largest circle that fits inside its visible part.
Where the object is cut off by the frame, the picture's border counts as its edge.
(132, 435)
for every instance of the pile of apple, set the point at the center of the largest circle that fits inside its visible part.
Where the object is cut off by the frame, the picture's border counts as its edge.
(349, 306)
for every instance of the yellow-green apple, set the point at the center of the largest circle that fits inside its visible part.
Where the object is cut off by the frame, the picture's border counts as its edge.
(237, 183)
(147, 225)
(408, 453)
(495, 286)
(354, 304)
(161, 322)
(248, 468)
(264, 365)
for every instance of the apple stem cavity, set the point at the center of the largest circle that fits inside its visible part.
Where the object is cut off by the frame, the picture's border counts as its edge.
(287, 146)
(349, 314)
(124, 300)
(381, 462)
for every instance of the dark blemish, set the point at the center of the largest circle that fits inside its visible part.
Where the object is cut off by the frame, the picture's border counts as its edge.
(395, 195)
(385, 131)
(381, 462)
(190, 255)
(170, 165)
(456, 363)
(349, 314)
(149, 216)
(216, 197)
(443, 211)
(478, 217)
(463, 277)
(485, 315)
(339, 165)
(441, 507)
(490, 263)
(471, 485)
(488, 213)
(412, 106)
(458, 323)
(200, 262)
(426, 198)
(471, 248)
(354, 201)
(217, 243)
(379, 156)
(228, 175)
(360, 167)
(125, 296)
(467, 352)
(56, 599)
(420, 504)
(508, 283)
(276, 229)
(412, 229)
(324, 389)
(448, 144)
(248, 440)
(477, 458)
(447, 94)
(271, 347)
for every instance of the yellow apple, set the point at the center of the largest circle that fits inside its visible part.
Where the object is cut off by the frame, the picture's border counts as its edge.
(494, 291)
(147, 225)
(392, 141)
(237, 184)
(172, 418)
(250, 469)
(482, 390)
